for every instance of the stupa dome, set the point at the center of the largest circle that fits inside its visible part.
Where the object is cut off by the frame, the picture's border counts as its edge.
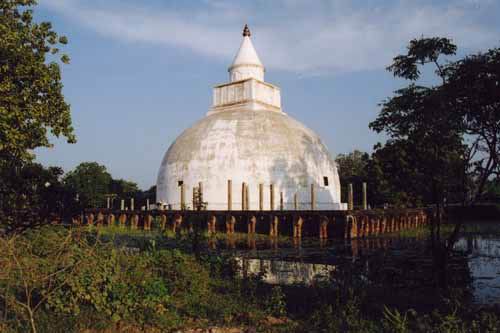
(246, 138)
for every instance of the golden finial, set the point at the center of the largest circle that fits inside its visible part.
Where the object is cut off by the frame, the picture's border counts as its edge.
(246, 31)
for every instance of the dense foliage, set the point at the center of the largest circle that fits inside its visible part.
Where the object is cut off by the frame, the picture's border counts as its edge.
(94, 184)
(31, 99)
(91, 181)
(60, 280)
(31, 106)
(443, 137)
(55, 280)
(32, 195)
(352, 169)
(425, 132)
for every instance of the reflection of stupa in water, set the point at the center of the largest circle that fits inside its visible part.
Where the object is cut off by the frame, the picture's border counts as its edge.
(247, 138)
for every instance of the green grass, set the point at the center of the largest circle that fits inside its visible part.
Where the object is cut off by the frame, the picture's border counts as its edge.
(468, 228)
(115, 230)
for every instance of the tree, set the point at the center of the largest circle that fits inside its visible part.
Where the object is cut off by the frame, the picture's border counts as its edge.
(448, 133)
(150, 194)
(31, 106)
(472, 85)
(31, 99)
(393, 180)
(32, 195)
(352, 168)
(492, 191)
(422, 124)
(123, 188)
(90, 181)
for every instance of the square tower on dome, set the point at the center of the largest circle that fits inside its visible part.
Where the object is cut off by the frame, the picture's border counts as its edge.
(246, 89)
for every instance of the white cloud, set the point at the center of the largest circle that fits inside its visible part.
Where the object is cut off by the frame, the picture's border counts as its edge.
(291, 35)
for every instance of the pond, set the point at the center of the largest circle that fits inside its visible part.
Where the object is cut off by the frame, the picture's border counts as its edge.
(483, 256)
(397, 262)
(474, 265)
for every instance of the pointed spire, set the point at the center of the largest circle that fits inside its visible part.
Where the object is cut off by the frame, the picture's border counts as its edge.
(246, 31)
(246, 64)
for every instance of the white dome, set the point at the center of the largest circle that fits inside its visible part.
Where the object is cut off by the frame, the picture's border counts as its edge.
(246, 138)
(255, 147)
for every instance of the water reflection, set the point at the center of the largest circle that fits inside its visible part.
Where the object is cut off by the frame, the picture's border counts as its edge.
(285, 272)
(291, 261)
(483, 254)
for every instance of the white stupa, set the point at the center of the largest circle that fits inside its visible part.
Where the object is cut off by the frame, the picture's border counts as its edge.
(247, 138)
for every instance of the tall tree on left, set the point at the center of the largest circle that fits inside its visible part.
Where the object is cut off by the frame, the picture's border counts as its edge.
(31, 106)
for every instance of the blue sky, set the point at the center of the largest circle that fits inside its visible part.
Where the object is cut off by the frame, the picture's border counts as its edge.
(142, 71)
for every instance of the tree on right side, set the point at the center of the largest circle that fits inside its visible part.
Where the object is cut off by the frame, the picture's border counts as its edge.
(446, 134)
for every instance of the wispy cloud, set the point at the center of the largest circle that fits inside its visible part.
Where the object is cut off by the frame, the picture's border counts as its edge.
(292, 35)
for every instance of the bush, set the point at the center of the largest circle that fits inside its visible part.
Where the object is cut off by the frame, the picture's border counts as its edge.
(57, 279)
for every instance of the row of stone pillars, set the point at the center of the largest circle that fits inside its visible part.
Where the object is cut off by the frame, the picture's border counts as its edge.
(373, 225)
(199, 204)
(101, 219)
(358, 225)
(245, 197)
(122, 204)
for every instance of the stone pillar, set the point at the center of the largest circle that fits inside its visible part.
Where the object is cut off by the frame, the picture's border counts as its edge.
(134, 221)
(111, 219)
(323, 227)
(273, 227)
(378, 226)
(100, 218)
(122, 219)
(147, 204)
(243, 198)
(350, 197)
(247, 197)
(229, 194)
(122, 204)
(108, 201)
(90, 219)
(365, 199)
(366, 226)
(183, 196)
(371, 225)
(212, 222)
(383, 225)
(230, 222)
(251, 224)
(132, 204)
(163, 222)
(360, 220)
(313, 197)
(352, 226)
(297, 227)
(271, 198)
(194, 199)
(177, 222)
(261, 196)
(148, 220)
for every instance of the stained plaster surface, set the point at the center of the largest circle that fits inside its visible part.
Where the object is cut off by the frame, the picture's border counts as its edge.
(255, 147)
